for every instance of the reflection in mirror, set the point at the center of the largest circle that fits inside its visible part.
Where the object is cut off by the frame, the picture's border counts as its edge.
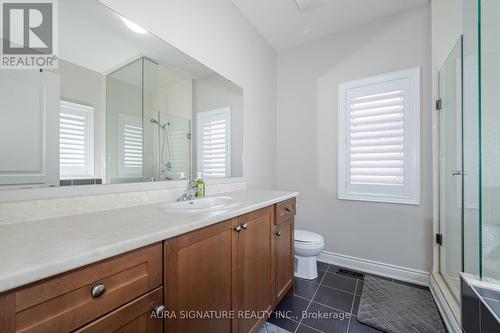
(122, 106)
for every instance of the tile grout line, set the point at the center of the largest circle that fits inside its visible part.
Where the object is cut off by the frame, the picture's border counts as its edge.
(310, 301)
(322, 304)
(314, 329)
(352, 306)
(338, 289)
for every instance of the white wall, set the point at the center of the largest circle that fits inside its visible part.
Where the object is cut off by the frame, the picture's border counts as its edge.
(177, 98)
(308, 78)
(446, 29)
(217, 34)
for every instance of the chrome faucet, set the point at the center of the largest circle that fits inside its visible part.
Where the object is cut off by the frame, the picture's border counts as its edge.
(190, 192)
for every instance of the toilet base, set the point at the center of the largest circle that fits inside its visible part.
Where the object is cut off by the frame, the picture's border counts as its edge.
(306, 267)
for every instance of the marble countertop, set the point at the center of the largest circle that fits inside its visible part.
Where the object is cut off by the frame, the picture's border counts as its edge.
(31, 251)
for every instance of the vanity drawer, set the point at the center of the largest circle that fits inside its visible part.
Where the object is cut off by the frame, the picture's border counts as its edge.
(285, 210)
(132, 317)
(71, 300)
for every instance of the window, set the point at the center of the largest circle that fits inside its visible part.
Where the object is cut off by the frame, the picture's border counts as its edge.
(214, 142)
(129, 146)
(76, 140)
(379, 138)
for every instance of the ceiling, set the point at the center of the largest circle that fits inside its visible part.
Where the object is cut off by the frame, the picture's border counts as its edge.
(100, 41)
(284, 25)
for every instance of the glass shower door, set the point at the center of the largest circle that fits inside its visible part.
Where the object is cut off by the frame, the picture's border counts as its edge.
(450, 169)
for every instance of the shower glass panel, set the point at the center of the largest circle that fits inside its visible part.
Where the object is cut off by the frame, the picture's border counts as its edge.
(471, 168)
(150, 105)
(145, 143)
(450, 154)
(124, 144)
(490, 136)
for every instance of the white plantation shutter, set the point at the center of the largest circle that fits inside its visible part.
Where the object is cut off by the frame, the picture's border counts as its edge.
(379, 138)
(214, 143)
(129, 146)
(76, 140)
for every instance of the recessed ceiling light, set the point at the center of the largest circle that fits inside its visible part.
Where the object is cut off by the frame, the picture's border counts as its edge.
(308, 5)
(133, 26)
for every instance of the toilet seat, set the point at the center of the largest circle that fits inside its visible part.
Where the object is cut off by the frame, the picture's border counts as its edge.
(307, 237)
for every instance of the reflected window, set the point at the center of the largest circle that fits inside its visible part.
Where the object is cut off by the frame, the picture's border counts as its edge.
(214, 142)
(76, 140)
(130, 145)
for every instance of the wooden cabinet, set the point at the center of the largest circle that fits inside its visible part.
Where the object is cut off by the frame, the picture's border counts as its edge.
(134, 317)
(284, 260)
(285, 210)
(283, 253)
(255, 272)
(224, 270)
(200, 277)
(222, 279)
(70, 300)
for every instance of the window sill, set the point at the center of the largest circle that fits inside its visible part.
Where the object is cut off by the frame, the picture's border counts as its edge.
(389, 200)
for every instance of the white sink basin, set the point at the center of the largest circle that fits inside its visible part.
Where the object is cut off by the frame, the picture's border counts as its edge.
(202, 204)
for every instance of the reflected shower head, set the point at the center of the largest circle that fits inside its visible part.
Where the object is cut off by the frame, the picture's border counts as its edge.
(154, 121)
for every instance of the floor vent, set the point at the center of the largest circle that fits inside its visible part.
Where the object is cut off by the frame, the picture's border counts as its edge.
(354, 274)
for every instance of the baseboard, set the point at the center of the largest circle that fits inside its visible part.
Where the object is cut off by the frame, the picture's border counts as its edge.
(444, 307)
(369, 266)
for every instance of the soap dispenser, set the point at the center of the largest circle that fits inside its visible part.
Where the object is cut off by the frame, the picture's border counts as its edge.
(200, 186)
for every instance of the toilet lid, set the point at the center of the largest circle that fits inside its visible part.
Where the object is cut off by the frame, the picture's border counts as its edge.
(307, 236)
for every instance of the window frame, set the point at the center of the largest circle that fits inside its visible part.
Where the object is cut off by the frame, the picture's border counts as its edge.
(412, 132)
(90, 109)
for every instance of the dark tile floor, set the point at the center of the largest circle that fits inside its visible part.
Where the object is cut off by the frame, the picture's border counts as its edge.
(328, 304)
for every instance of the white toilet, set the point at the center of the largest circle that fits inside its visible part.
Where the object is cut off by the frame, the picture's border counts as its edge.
(308, 245)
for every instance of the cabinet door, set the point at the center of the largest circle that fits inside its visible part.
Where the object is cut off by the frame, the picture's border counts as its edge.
(283, 258)
(255, 273)
(200, 273)
(29, 128)
(134, 317)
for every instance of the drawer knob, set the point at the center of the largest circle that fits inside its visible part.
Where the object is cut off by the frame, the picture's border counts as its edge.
(159, 311)
(288, 209)
(278, 233)
(98, 290)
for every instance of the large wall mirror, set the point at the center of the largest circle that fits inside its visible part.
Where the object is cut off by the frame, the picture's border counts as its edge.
(122, 106)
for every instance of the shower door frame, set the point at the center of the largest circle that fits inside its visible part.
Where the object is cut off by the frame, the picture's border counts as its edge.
(454, 290)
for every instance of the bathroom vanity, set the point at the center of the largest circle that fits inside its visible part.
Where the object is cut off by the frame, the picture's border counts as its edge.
(178, 272)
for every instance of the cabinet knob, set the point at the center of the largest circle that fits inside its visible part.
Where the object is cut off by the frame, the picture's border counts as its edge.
(244, 226)
(288, 209)
(278, 233)
(159, 311)
(238, 228)
(98, 290)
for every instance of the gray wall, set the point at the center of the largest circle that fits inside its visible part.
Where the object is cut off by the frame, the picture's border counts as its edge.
(308, 79)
